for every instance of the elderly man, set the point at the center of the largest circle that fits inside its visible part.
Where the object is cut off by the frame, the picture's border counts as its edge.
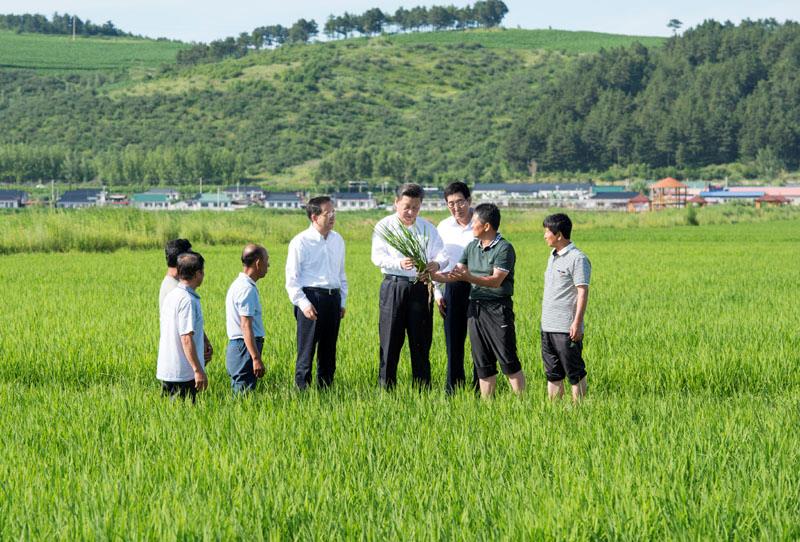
(405, 307)
(244, 321)
(317, 286)
(180, 368)
(172, 250)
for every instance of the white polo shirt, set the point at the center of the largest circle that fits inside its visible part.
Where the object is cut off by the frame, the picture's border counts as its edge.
(456, 238)
(180, 315)
(243, 300)
(167, 285)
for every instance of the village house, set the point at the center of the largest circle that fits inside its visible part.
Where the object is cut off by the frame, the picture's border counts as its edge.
(610, 200)
(151, 201)
(13, 199)
(283, 200)
(530, 194)
(84, 197)
(354, 201)
(215, 201)
(245, 194)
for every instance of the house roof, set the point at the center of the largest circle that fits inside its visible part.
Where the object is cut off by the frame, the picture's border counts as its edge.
(530, 187)
(639, 198)
(615, 196)
(9, 195)
(731, 195)
(235, 189)
(600, 188)
(696, 199)
(148, 197)
(669, 182)
(789, 191)
(773, 198)
(282, 196)
(214, 197)
(81, 195)
(164, 190)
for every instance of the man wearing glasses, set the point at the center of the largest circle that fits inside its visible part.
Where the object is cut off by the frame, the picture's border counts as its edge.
(452, 297)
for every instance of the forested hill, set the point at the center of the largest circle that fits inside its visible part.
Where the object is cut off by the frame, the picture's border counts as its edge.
(477, 104)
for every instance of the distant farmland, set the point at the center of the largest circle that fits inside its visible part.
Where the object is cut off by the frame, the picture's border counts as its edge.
(60, 53)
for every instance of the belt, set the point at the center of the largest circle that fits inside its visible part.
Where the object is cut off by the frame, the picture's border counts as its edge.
(398, 278)
(326, 291)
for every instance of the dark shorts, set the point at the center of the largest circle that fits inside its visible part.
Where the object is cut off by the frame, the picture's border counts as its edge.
(562, 357)
(173, 390)
(240, 365)
(493, 336)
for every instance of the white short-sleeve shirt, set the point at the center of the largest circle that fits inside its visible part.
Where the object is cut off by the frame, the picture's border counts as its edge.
(180, 315)
(167, 285)
(243, 300)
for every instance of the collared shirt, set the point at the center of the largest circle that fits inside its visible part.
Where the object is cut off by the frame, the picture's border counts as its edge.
(167, 285)
(317, 262)
(455, 238)
(242, 300)
(482, 261)
(567, 269)
(180, 315)
(388, 259)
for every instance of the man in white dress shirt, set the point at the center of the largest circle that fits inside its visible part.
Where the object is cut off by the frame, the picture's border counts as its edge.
(452, 297)
(172, 250)
(244, 321)
(317, 286)
(180, 368)
(404, 304)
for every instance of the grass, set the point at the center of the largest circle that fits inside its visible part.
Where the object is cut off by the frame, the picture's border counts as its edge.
(554, 40)
(691, 349)
(60, 53)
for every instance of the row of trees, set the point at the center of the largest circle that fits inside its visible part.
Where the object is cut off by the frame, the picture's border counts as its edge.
(59, 24)
(132, 165)
(482, 14)
(716, 95)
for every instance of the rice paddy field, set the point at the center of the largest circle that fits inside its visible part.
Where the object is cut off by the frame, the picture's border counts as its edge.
(689, 430)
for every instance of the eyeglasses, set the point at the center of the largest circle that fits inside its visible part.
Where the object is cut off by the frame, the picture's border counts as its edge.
(459, 203)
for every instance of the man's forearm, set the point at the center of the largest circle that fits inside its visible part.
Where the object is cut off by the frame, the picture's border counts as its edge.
(583, 299)
(190, 351)
(249, 338)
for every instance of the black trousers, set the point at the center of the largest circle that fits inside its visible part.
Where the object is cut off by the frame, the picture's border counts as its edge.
(181, 390)
(405, 309)
(456, 298)
(318, 336)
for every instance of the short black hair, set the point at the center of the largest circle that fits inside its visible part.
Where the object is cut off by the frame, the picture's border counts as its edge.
(189, 263)
(175, 247)
(314, 205)
(411, 190)
(456, 187)
(252, 253)
(488, 213)
(558, 223)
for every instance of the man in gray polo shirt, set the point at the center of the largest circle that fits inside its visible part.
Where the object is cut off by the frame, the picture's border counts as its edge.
(566, 292)
(244, 321)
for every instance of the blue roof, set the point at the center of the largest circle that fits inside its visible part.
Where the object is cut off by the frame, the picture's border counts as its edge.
(615, 195)
(731, 195)
(7, 195)
(81, 195)
(351, 195)
(530, 187)
(282, 196)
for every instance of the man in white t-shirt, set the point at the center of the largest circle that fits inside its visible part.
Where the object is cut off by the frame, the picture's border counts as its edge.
(172, 250)
(180, 368)
(244, 321)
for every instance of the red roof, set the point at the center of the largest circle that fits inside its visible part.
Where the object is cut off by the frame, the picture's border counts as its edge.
(771, 198)
(669, 182)
(697, 199)
(641, 198)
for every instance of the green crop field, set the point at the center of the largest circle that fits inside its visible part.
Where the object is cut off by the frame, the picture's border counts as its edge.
(557, 40)
(60, 53)
(688, 431)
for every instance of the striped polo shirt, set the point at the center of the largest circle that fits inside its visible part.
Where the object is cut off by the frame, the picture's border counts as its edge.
(567, 269)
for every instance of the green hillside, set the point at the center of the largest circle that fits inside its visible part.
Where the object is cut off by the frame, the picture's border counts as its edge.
(389, 107)
(60, 53)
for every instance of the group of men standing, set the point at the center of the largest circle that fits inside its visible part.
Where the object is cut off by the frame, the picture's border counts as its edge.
(469, 261)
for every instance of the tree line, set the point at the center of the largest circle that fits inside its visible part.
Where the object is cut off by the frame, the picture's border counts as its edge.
(720, 93)
(132, 165)
(482, 14)
(58, 24)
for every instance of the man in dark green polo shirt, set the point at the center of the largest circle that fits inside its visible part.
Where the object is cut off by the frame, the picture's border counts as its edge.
(488, 265)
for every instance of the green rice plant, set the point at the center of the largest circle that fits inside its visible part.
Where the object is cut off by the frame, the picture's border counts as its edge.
(413, 244)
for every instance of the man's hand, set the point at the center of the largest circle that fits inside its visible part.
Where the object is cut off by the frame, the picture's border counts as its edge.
(200, 380)
(442, 304)
(432, 267)
(310, 312)
(575, 332)
(342, 313)
(208, 350)
(407, 264)
(258, 367)
(460, 272)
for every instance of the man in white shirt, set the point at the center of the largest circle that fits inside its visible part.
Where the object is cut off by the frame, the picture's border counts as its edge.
(317, 286)
(452, 297)
(244, 321)
(404, 303)
(172, 250)
(180, 368)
